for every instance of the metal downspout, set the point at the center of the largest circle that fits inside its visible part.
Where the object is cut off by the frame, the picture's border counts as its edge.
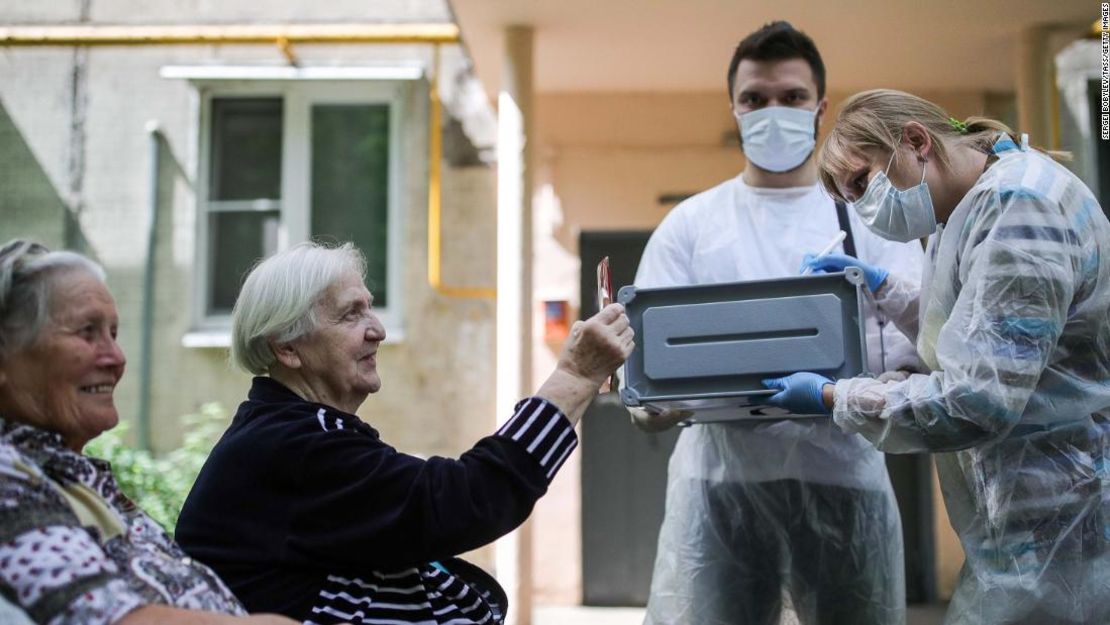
(435, 196)
(146, 340)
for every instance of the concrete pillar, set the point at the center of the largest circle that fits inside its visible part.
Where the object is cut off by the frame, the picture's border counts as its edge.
(513, 553)
(1034, 86)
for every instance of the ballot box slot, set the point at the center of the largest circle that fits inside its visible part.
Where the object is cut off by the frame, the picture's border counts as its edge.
(739, 338)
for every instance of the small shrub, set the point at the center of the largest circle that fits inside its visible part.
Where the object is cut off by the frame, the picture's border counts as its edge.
(159, 484)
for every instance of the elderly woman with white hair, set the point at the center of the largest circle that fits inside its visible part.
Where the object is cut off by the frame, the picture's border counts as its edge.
(73, 548)
(305, 511)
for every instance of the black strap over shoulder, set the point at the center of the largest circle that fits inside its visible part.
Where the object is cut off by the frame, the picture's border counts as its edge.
(846, 226)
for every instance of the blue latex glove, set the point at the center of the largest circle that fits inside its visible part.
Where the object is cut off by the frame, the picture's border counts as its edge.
(799, 393)
(830, 263)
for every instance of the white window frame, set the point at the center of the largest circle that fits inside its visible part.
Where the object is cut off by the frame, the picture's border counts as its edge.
(295, 222)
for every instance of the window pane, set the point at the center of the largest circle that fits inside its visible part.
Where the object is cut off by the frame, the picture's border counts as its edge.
(235, 241)
(246, 149)
(350, 183)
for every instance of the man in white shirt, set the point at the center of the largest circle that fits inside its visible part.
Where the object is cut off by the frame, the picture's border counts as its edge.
(768, 516)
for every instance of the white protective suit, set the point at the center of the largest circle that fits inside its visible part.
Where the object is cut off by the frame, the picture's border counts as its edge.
(1015, 324)
(759, 510)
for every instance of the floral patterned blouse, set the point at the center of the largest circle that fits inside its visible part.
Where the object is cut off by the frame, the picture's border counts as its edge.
(74, 549)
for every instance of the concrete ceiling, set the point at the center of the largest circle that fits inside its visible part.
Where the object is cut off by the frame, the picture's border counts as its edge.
(684, 45)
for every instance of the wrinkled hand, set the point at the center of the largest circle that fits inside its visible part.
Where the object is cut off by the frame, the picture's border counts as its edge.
(800, 393)
(650, 420)
(874, 276)
(598, 345)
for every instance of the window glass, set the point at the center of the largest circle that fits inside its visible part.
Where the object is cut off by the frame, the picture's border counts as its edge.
(246, 149)
(350, 183)
(236, 239)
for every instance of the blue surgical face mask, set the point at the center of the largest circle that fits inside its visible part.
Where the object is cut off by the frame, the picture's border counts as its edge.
(778, 138)
(896, 214)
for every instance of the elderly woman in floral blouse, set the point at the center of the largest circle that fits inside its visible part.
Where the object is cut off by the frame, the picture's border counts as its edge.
(73, 548)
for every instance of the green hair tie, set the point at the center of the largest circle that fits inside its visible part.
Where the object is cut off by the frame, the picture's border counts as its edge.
(957, 125)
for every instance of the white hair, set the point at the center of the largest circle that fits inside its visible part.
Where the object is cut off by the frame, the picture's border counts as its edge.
(28, 273)
(279, 297)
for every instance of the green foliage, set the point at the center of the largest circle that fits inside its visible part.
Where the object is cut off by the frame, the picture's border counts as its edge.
(160, 484)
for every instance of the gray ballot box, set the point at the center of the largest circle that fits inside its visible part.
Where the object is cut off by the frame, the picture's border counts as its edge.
(708, 347)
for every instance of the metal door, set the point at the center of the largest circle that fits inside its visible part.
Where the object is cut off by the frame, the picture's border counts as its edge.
(624, 471)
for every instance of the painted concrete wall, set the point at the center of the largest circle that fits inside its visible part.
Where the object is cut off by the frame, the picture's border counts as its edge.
(606, 158)
(72, 142)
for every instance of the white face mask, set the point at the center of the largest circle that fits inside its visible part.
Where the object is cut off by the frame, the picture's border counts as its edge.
(778, 138)
(896, 214)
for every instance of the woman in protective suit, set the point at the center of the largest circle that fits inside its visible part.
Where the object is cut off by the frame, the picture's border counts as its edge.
(1013, 319)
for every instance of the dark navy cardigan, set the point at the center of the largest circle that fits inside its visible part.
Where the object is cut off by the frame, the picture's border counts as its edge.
(303, 510)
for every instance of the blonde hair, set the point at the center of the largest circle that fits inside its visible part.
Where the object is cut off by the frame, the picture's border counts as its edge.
(874, 120)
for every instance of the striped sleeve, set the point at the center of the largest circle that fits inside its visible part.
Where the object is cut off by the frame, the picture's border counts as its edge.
(544, 432)
(425, 596)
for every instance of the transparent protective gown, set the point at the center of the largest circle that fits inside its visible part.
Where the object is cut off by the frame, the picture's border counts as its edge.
(1013, 319)
(772, 517)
